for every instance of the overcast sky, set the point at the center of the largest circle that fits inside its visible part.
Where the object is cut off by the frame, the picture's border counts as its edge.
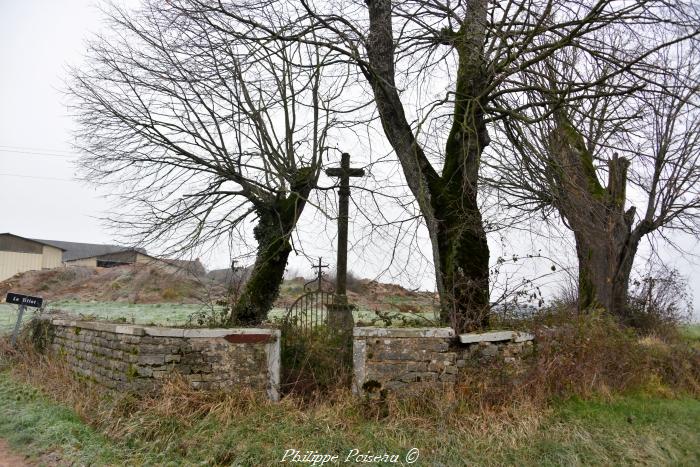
(42, 199)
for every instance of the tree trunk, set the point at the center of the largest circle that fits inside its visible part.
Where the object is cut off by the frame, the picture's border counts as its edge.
(605, 265)
(276, 220)
(448, 201)
(464, 257)
(606, 244)
(262, 287)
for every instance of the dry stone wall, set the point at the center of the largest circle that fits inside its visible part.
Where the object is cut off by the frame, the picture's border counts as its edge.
(137, 358)
(405, 360)
(402, 359)
(508, 346)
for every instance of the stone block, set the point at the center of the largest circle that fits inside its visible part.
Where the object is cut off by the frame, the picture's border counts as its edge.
(417, 377)
(172, 358)
(151, 359)
(489, 351)
(448, 378)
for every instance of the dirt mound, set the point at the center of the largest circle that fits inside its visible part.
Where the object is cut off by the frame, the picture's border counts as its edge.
(136, 283)
(142, 283)
(365, 294)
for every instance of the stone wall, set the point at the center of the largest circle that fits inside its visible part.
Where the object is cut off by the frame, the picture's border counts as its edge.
(409, 359)
(510, 346)
(402, 359)
(137, 358)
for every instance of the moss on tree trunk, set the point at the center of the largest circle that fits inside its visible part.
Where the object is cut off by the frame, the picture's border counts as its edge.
(464, 257)
(262, 287)
(276, 221)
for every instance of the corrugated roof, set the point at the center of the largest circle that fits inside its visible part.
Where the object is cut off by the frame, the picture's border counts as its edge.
(31, 239)
(75, 250)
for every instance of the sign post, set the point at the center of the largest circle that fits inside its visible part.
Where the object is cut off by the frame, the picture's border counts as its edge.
(23, 301)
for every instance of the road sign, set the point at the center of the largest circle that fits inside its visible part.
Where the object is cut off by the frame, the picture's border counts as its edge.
(25, 300)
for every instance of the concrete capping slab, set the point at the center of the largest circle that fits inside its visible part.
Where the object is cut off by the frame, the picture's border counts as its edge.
(98, 326)
(274, 363)
(158, 331)
(495, 336)
(205, 332)
(221, 332)
(523, 337)
(359, 357)
(403, 332)
(164, 332)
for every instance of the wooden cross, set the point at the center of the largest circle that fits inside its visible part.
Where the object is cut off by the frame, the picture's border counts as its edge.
(344, 172)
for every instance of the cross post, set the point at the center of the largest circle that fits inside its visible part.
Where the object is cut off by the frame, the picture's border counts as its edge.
(319, 271)
(344, 172)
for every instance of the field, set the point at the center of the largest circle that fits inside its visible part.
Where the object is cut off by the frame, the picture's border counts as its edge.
(145, 295)
(164, 314)
(622, 431)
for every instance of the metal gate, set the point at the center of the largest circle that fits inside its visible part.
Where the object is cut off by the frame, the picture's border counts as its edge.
(309, 311)
(314, 356)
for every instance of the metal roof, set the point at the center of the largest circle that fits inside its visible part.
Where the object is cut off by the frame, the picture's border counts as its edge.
(74, 250)
(31, 240)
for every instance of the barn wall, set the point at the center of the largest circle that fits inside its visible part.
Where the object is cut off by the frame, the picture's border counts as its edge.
(83, 262)
(52, 257)
(119, 257)
(12, 262)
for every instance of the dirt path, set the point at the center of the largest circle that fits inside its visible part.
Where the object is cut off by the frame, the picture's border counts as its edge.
(10, 459)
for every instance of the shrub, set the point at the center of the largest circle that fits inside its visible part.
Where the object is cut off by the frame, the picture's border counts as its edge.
(586, 355)
(659, 303)
(315, 361)
(214, 317)
(170, 293)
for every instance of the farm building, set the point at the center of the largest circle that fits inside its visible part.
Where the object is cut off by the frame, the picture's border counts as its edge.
(19, 254)
(106, 256)
(96, 255)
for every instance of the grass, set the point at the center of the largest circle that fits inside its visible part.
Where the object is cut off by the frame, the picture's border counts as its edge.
(37, 427)
(692, 332)
(595, 394)
(625, 430)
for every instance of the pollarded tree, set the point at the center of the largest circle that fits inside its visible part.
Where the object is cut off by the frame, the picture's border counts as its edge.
(640, 133)
(199, 131)
(438, 72)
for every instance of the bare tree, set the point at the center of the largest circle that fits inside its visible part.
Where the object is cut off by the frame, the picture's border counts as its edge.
(438, 73)
(640, 131)
(199, 130)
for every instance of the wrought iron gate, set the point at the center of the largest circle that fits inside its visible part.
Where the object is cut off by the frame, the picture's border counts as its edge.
(314, 356)
(309, 311)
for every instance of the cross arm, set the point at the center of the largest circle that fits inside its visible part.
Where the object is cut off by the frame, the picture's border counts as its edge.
(341, 172)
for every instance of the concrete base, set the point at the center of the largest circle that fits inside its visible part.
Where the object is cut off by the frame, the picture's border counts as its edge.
(340, 317)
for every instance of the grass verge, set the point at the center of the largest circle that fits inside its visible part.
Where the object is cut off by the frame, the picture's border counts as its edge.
(624, 430)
